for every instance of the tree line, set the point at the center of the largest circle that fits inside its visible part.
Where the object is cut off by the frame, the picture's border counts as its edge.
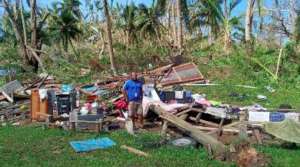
(164, 22)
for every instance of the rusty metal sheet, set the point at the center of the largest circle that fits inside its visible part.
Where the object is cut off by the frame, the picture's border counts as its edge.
(182, 74)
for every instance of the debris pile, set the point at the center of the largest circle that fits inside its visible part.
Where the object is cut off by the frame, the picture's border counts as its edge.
(166, 103)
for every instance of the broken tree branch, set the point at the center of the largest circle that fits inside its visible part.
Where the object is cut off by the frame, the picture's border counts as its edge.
(37, 58)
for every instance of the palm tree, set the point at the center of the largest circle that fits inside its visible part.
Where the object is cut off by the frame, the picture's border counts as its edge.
(217, 15)
(109, 35)
(64, 23)
(147, 21)
(127, 22)
(204, 15)
(180, 15)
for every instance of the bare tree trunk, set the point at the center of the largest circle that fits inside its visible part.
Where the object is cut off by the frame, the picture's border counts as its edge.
(293, 15)
(170, 19)
(17, 30)
(33, 24)
(109, 36)
(33, 60)
(249, 20)
(179, 17)
(174, 24)
(227, 31)
(24, 25)
(227, 38)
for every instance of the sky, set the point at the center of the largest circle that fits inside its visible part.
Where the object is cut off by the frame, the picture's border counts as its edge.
(239, 10)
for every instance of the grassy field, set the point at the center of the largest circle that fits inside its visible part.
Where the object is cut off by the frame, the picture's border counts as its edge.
(36, 146)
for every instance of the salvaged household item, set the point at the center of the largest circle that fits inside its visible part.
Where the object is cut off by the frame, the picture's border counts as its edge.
(35, 104)
(88, 122)
(92, 144)
(66, 102)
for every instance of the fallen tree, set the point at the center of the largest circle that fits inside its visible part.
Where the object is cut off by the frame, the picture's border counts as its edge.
(215, 147)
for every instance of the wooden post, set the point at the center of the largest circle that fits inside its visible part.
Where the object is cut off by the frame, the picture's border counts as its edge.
(198, 117)
(220, 127)
(257, 135)
(164, 128)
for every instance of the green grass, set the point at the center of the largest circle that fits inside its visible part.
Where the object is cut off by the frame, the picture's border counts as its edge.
(222, 93)
(35, 146)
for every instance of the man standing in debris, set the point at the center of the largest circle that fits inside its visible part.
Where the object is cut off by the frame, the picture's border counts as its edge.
(133, 93)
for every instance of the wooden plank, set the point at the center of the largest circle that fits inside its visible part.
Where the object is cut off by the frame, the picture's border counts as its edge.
(220, 127)
(205, 122)
(257, 135)
(198, 117)
(135, 151)
(183, 112)
(164, 128)
(229, 130)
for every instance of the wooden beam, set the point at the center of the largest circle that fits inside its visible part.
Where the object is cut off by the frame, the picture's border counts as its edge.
(205, 122)
(135, 151)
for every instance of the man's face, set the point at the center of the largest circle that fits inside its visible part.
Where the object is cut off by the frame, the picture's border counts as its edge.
(133, 76)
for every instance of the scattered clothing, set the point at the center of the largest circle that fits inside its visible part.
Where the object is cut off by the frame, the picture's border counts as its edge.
(66, 88)
(92, 144)
(218, 112)
(255, 107)
(292, 115)
(179, 94)
(121, 104)
(276, 116)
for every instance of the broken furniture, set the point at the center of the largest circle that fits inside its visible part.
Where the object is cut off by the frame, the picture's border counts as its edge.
(9, 89)
(89, 122)
(15, 112)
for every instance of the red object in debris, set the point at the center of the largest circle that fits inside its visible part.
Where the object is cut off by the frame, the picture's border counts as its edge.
(121, 104)
(91, 99)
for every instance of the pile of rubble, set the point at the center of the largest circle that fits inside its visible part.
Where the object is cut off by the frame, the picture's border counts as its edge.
(99, 106)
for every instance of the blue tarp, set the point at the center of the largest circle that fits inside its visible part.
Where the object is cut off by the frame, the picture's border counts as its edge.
(92, 144)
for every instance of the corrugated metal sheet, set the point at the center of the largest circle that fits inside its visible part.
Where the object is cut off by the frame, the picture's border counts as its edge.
(182, 74)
